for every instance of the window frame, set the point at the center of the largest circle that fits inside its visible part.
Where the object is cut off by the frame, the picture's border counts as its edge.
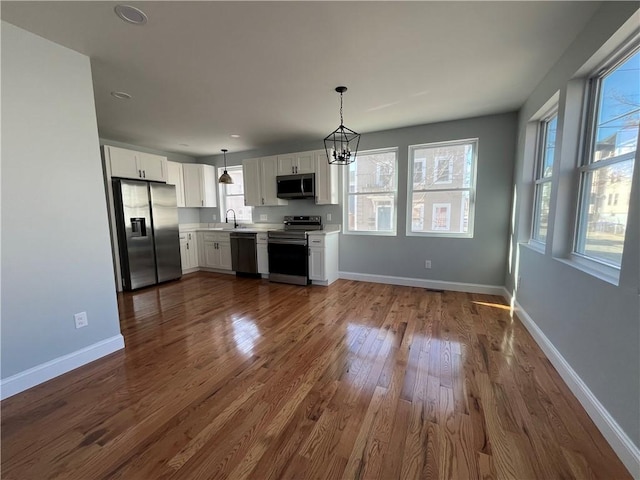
(539, 179)
(222, 195)
(475, 142)
(587, 166)
(392, 193)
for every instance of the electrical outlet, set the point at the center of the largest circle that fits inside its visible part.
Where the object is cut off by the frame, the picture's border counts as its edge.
(214, 216)
(81, 319)
(263, 217)
(427, 264)
(328, 217)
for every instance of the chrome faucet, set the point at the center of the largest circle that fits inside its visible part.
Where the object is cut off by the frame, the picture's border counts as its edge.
(226, 217)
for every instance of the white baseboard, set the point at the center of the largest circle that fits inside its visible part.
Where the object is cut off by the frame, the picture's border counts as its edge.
(46, 371)
(424, 283)
(624, 447)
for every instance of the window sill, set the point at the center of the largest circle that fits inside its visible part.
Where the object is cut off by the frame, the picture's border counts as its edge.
(536, 246)
(439, 235)
(595, 269)
(369, 233)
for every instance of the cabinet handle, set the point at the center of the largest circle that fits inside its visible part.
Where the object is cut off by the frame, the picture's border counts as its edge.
(187, 246)
(263, 201)
(189, 236)
(202, 203)
(144, 174)
(140, 173)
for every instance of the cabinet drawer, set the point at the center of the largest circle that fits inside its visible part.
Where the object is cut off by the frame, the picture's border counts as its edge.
(261, 238)
(220, 237)
(210, 236)
(316, 240)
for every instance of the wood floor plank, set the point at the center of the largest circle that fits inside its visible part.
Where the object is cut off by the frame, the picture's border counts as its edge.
(224, 377)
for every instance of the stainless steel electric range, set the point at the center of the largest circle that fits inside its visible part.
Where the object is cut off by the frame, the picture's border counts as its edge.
(288, 249)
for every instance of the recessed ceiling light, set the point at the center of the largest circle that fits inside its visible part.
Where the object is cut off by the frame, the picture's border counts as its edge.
(121, 95)
(131, 14)
(234, 135)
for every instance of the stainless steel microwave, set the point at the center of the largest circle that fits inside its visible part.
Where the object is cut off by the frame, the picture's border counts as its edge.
(296, 186)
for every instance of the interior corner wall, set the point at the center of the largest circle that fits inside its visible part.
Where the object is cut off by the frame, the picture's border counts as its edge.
(594, 325)
(56, 256)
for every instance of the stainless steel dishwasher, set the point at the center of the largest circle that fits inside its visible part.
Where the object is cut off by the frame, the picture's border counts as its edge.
(243, 253)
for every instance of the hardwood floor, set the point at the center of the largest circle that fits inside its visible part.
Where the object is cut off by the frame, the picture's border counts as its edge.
(239, 378)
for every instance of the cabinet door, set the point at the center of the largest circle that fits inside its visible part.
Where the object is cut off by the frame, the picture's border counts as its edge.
(211, 255)
(208, 188)
(269, 171)
(262, 252)
(316, 263)
(184, 252)
(286, 164)
(174, 177)
(192, 185)
(305, 162)
(326, 179)
(123, 162)
(252, 187)
(224, 259)
(194, 261)
(153, 167)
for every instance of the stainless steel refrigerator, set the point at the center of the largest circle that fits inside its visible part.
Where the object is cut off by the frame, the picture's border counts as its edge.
(148, 238)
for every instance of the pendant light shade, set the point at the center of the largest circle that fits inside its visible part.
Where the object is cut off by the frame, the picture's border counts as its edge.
(225, 177)
(341, 145)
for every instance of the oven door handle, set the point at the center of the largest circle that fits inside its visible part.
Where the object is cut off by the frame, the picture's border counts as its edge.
(284, 241)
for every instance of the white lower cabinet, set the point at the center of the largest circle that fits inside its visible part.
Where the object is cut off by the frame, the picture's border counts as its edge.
(188, 251)
(323, 258)
(216, 250)
(262, 252)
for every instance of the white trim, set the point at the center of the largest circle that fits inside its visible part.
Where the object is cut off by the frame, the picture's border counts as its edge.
(622, 445)
(423, 283)
(46, 371)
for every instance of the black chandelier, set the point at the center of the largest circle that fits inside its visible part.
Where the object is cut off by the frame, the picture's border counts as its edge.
(342, 144)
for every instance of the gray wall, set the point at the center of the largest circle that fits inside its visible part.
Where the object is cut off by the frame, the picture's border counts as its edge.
(595, 325)
(56, 257)
(479, 260)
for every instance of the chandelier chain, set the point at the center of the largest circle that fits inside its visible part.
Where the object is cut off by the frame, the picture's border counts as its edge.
(341, 120)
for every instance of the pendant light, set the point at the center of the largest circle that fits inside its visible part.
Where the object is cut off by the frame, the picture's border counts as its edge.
(342, 144)
(225, 177)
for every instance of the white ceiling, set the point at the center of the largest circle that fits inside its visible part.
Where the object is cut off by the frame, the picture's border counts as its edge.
(200, 71)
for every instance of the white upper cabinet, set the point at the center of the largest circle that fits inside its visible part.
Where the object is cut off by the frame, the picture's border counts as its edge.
(139, 165)
(260, 187)
(199, 185)
(252, 182)
(326, 179)
(175, 177)
(294, 163)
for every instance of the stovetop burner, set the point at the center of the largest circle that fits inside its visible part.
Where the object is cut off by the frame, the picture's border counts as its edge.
(303, 222)
(296, 227)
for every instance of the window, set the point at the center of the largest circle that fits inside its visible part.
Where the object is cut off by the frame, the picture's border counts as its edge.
(443, 170)
(544, 168)
(607, 169)
(232, 195)
(441, 188)
(371, 193)
(441, 217)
